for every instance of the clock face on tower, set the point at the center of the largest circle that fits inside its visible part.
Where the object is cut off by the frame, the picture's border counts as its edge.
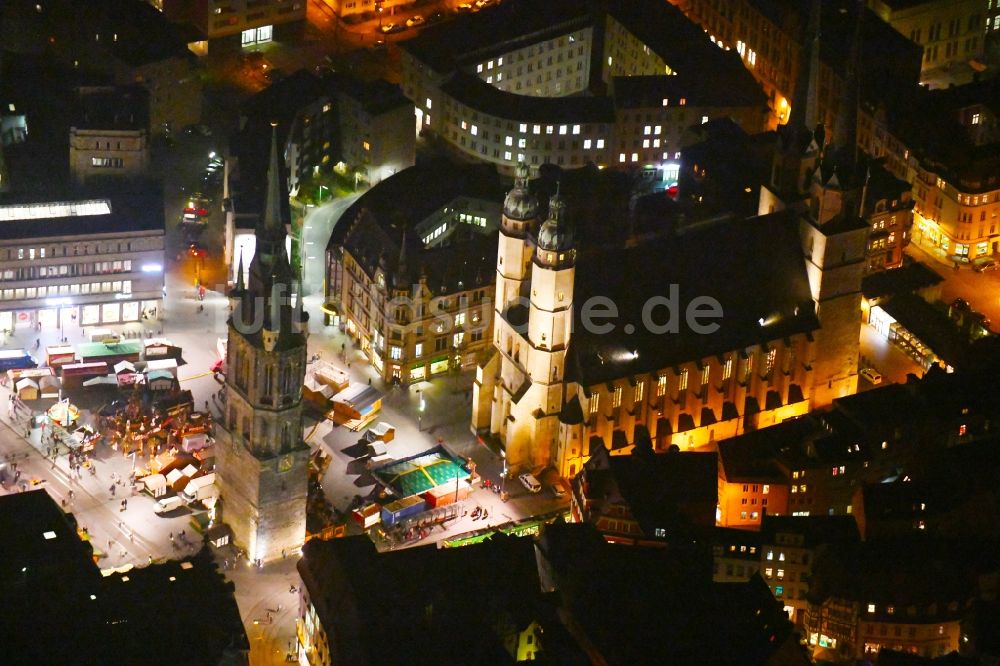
(285, 463)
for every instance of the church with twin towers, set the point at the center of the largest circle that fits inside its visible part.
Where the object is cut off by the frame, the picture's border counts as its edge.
(787, 281)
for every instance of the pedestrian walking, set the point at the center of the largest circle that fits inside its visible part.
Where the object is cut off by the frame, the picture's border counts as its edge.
(112, 490)
(171, 537)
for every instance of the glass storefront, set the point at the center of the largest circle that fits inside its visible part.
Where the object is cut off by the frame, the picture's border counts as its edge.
(439, 365)
(418, 373)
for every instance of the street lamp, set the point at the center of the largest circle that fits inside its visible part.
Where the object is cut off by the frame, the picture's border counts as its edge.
(379, 8)
(319, 193)
(420, 412)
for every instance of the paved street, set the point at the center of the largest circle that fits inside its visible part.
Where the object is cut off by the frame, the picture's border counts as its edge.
(981, 290)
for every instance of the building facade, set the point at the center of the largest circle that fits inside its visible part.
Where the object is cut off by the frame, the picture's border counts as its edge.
(772, 40)
(110, 134)
(418, 303)
(521, 99)
(71, 264)
(951, 33)
(253, 20)
(262, 459)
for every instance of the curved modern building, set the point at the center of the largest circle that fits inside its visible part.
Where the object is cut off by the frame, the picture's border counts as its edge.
(571, 83)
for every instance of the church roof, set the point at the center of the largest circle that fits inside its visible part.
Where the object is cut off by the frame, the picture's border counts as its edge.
(753, 268)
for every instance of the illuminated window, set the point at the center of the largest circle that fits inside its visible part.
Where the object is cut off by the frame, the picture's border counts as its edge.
(586, 144)
(418, 349)
(661, 386)
(637, 393)
(769, 572)
(621, 157)
(366, 145)
(576, 129)
(537, 129)
(871, 608)
(474, 131)
(770, 554)
(658, 129)
(395, 353)
(781, 574)
(727, 369)
(524, 127)
(489, 65)
(766, 489)
(704, 119)
(600, 143)
(616, 397)
(890, 610)
(635, 157)
(506, 155)
(781, 557)
(683, 101)
(645, 143)
(975, 118)
(479, 68)
(594, 402)
(549, 129)
(682, 382)
(499, 62)
(647, 129)
(563, 129)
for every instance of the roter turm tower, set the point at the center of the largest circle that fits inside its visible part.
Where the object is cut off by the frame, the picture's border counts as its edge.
(261, 457)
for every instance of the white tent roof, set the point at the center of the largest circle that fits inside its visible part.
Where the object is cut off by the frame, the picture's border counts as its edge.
(155, 481)
(173, 475)
(24, 383)
(190, 470)
(124, 366)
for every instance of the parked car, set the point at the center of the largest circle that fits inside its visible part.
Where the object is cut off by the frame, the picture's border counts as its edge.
(416, 19)
(983, 264)
(529, 481)
(872, 376)
(557, 492)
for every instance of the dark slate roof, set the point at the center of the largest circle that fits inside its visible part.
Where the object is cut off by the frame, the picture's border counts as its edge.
(750, 462)
(24, 520)
(698, 90)
(909, 278)
(469, 37)
(572, 412)
(130, 212)
(374, 96)
(753, 268)
(658, 605)
(436, 597)
(665, 490)
(930, 325)
(373, 228)
(477, 94)
(815, 530)
(107, 108)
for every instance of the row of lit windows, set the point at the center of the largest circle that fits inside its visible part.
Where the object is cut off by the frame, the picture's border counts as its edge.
(123, 287)
(98, 268)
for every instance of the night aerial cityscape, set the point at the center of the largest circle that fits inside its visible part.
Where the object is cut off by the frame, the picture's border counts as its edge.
(612, 332)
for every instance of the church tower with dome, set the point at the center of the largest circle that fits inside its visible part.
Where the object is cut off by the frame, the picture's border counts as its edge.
(518, 392)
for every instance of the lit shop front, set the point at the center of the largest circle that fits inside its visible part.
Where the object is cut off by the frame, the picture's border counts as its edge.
(63, 314)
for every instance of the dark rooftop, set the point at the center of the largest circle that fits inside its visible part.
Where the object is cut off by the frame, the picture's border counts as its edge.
(930, 325)
(442, 605)
(906, 279)
(133, 211)
(649, 91)
(178, 612)
(108, 108)
(753, 268)
(374, 227)
(815, 530)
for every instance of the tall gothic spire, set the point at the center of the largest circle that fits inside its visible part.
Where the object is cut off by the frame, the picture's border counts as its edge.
(272, 208)
(805, 102)
(240, 286)
(846, 137)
